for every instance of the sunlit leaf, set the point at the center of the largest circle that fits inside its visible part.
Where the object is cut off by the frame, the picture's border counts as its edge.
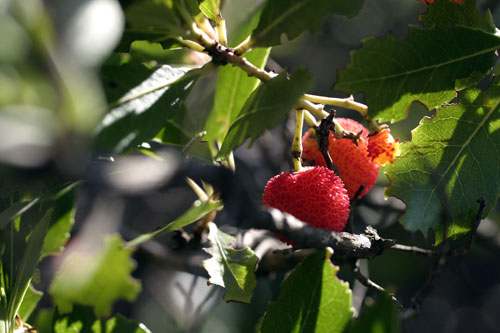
(233, 87)
(83, 320)
(141, 113)
(312, 299)
(230, 268)
(211, 8)
(393, 73)
(29, 303)
(266, 107)
(451, 161)
(95, 277)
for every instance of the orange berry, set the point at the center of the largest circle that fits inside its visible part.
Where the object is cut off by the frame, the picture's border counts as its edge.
(352, 161)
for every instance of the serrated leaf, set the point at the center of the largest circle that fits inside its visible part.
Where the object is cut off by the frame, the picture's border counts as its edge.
(234, 86)
(141, 113)
(446, 14)
(211, 8)
(229, 268)
(97, 277)
(312, 299)
(266, 107)
(20, 247)
(381, 317)
(196, 212)
(29, 303)
(423, 67)
(452, 160)
(83, 320)
(292, 17)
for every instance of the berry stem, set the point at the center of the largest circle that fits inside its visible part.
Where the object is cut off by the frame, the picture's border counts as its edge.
(297, 140)
(310, 120)
(348, 103)
(220, 27)
(202, 195)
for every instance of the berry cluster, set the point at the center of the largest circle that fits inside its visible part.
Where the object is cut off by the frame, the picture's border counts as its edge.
(318, 196)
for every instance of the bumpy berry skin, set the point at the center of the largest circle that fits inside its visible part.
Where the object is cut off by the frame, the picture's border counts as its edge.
(382, 148)
(315, 195)
(354, 165)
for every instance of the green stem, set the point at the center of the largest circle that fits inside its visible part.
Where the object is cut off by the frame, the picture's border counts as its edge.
(220, 27)
(191, 44)
(348, 103)
(244, 46)
(202, 195)
(310, 120)
(297, 140)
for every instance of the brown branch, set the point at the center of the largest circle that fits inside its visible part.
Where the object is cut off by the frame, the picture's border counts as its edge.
(367, 245)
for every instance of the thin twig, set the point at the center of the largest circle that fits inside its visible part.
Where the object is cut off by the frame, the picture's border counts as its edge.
(370, 284)
(414, 250)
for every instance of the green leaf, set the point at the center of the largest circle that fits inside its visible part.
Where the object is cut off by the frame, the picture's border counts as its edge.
(312, 299)
(423, 67)
(28, 305)
(61, 222)
(196, 212)
(266, 107)
(117, 78)
(446, 14)
(154, 21)
(292, 17)
(233, 87)
(17, 209)
(97, 277)
(141, 113)
(83, 320)
(381, 317)
(211, 8)
(452, 160)
(229, 268)
(20, 248)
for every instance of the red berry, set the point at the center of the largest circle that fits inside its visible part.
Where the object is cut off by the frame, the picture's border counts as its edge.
(315, 195)
(354, 165)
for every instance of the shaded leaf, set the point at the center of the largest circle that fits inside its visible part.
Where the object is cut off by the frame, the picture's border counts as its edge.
(20, 247)
(447, 14)
(83, 320)
(292, 17)
(196, 212)
(229, 268)
(17, 209)
(451, 161)
(312, 299)
(155, 21)
(96, 277)
(119, 78)
(423, 67)
(381, 317)
(266, 107)
(141, 113)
